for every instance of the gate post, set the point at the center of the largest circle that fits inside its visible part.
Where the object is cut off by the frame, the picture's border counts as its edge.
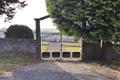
(61, 50)
(38, 35)
(38, 38)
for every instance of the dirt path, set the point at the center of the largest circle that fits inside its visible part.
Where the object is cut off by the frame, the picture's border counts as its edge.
(84, 71)
(60, 71)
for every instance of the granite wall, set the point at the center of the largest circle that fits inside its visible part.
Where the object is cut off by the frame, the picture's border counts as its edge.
(17, 46)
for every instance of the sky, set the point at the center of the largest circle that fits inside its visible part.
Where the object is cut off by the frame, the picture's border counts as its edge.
(34, 9)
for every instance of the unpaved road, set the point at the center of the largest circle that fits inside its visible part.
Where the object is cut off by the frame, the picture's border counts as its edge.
(60, 71)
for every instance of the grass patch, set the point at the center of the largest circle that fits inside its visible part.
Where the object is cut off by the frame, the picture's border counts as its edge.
(15, 60)
(8, 63)
(71, 44)
(72, 49)
(44, 48)
(45, 43)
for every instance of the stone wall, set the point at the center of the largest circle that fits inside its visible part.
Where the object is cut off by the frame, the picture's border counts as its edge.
(17, 46)
(116, 55)
(93, 51)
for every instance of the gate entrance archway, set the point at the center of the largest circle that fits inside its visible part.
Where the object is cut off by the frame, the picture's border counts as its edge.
(38, 35)
(53, 45)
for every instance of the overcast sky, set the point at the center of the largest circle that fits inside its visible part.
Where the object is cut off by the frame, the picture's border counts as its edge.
(35, 9)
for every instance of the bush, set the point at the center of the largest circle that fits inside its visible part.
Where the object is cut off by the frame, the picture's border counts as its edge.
(19, 32)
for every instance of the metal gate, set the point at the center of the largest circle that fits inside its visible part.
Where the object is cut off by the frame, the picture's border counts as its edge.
(54, 46)
(51, 44)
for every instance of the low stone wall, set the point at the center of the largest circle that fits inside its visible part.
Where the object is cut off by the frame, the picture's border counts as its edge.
(17, 46)
(116, 55)
(93, 51)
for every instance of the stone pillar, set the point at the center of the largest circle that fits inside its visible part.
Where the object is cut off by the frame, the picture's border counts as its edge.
(38, 35)
(83, 54)
(108, 51)
(61, 50)
(38, 39)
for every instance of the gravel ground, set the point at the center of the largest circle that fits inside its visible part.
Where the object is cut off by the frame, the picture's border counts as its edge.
(60, 71)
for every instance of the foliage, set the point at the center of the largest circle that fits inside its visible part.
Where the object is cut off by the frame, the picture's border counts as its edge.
(19, 32)
(93, 20)
(116, 47)
(8, 7)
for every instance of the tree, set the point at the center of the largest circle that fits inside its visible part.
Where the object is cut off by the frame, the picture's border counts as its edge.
(93, 20)
(8, 7)
(19, 32)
